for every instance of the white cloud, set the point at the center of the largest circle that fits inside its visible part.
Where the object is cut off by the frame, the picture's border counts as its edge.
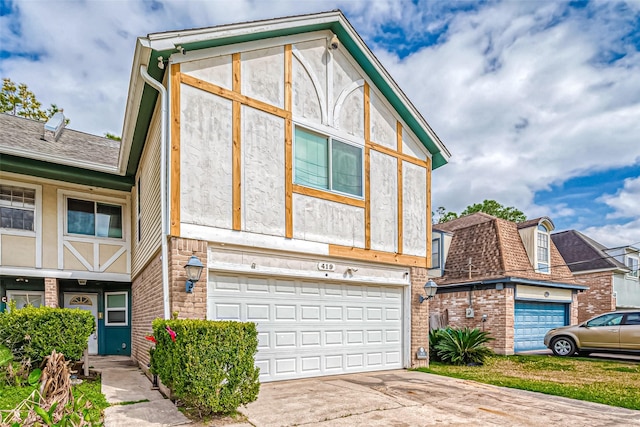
(616, 235)
(626, 202)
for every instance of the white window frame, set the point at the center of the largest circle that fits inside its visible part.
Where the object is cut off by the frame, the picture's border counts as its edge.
(330, 139)
(95, 201)
(12, 292)
(37, 210)
(107, 309)
(629, 259)
(436, 241)
(547, 265)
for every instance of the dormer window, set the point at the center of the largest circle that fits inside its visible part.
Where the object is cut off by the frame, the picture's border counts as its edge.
(632, 264)
(543, 254)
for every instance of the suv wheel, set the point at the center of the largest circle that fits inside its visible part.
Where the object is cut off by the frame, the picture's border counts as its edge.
(563, 346)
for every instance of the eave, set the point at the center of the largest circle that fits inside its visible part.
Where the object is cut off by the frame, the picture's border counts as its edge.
(142, 98)
(516, 280)
(55, 171)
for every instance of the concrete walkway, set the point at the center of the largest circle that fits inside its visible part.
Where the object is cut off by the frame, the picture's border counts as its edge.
(129, 393)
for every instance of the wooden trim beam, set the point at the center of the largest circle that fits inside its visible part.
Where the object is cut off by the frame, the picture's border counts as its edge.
(367, 166)
(288, 143)
(376, 256)
(391, 152)
(237, 149)
(332, 197)
(174, 225)
(399, 137)
(234, 96)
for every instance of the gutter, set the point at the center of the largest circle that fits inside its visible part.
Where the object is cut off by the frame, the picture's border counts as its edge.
(163, 185)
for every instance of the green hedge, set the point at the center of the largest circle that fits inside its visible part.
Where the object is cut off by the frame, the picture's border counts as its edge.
(33, 333)
(208, 365)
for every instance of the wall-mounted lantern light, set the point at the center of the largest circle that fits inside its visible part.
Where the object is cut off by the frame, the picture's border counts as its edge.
(194, 270)
(430, 289)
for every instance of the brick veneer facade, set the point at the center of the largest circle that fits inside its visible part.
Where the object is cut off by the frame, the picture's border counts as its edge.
(419, 316)
(147, 305)
(498, 305)
(193, 305)
(598, 298)
(51, 292)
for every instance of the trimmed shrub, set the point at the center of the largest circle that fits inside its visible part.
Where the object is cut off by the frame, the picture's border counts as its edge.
(33, 333)
(208, 365)
(463, 346)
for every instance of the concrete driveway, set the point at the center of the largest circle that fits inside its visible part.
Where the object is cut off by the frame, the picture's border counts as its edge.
(408, 398)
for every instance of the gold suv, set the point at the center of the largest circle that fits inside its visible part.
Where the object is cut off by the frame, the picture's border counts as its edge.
(617, 332)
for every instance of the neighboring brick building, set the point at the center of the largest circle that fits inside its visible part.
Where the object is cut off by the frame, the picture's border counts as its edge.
(610, 273)
(502, 277)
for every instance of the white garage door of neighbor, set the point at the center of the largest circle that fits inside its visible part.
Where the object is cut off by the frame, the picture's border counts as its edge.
(308, 329)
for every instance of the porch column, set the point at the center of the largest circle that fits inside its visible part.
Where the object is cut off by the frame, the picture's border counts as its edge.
(419, 317)
(51, 289)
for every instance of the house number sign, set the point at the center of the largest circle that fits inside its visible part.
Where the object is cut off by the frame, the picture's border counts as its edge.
(326, 266)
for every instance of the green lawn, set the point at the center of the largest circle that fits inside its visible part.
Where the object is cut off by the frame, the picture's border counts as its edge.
(11, 396)
(608, 382)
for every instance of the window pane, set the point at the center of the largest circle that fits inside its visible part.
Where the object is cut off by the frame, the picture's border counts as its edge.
(543, 247)
(435, 253)
(116, 301)
(80, 217)
(109, 221)
(346, 164)
(117, 316)
(311, 162)
(16, 218)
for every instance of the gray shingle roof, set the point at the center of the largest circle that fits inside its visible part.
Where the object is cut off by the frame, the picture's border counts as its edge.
(24, 137)
(582, 253)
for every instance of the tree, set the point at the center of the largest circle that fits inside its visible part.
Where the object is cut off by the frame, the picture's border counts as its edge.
(18, 100)
(490, 207)
(110, 135)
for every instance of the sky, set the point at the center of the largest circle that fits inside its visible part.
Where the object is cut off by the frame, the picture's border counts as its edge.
(538, 101)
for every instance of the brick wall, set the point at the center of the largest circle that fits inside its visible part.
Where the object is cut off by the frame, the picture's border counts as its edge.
(147, 305)
(193, 305)
(598, 298)
(419, 316)
(51, 293)
(498, 305)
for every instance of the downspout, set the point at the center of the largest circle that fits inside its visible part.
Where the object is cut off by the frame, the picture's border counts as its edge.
(163, 184)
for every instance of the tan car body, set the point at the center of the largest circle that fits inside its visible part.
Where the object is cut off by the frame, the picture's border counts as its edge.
(615, 332)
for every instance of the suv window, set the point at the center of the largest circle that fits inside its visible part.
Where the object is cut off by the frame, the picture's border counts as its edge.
(633, 319)
(611, 319)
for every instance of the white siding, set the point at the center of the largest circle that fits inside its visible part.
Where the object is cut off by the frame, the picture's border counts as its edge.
(414, 219)
(205, 159)
(384, 202)
(263, 172)
(263, 75)
(215, 70)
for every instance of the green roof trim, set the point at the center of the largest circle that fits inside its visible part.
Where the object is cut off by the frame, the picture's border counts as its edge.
(149, 95)
(25, 166)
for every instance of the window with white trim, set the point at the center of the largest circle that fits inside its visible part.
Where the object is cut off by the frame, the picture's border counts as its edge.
(89, 218)
(632, 263)
(116, 306)
(543, 254)
(325, 163)
(26, 298)
(17, 207)
(435, 253)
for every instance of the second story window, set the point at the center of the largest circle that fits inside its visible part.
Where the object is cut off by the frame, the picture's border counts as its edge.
(325, 163)
(94, 219)
(632, 263)
(542, 250)
(435, 253)
(17, 208)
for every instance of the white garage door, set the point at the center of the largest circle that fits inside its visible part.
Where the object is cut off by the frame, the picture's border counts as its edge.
(308, 329)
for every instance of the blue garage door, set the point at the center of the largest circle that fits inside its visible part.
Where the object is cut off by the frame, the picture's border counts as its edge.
(533, 320)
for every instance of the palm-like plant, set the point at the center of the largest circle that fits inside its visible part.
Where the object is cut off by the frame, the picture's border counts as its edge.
(463, 346)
